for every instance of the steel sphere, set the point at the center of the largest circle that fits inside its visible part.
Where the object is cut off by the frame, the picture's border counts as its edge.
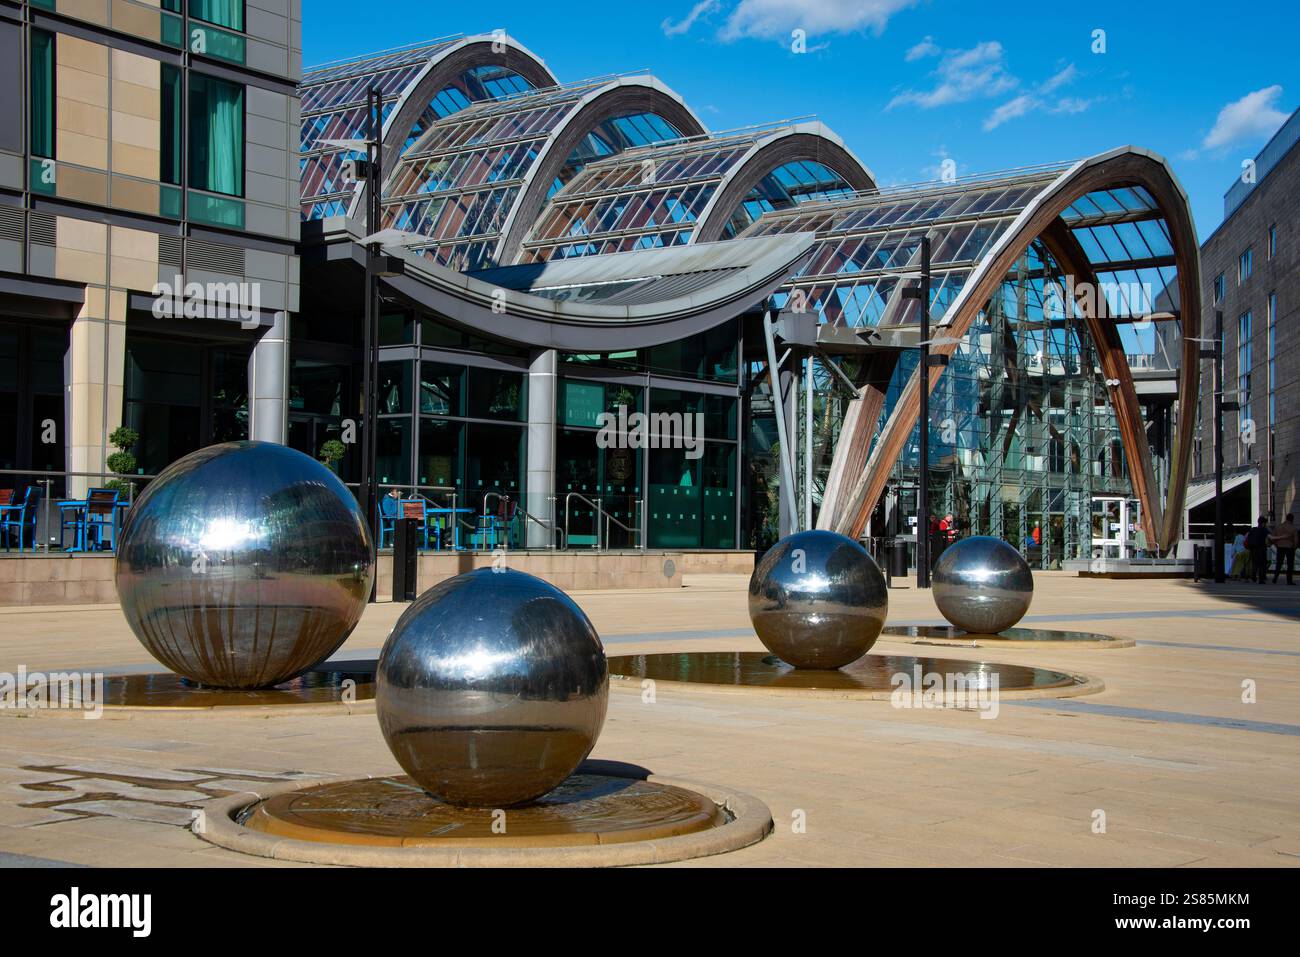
(982, 585)
(243, 565)
(818, 600)
(492, 688)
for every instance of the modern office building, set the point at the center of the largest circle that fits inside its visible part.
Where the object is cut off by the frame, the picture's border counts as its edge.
(148, 222)
(1251, 275)
(560, 256)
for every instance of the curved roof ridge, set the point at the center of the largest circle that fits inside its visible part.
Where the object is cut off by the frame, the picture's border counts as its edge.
(814, 128)
(1124, 166)
(511, 228)
(414, 89)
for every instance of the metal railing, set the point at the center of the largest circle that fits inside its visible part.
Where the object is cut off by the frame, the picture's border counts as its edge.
(56, 486)
(552, 530)
(601, 539)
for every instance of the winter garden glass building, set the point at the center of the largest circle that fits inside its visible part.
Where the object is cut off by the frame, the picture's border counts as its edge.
(567, 249)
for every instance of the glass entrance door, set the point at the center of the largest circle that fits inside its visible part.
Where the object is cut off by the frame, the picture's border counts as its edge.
(1110, 521)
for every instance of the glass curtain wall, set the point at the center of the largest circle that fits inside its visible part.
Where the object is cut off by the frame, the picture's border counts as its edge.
(31, 401)
(182, 396)
(452, 431)
(587, 475)
(1022, 437)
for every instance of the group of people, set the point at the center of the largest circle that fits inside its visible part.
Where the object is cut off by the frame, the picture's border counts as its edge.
(943, 532)
(1246, 557)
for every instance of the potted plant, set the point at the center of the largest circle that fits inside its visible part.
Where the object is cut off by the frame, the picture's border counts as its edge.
(122, 462)
(331, 453)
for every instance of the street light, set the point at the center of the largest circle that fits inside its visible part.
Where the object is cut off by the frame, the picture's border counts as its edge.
(373, 172)
(1216, 353)
(921, 292)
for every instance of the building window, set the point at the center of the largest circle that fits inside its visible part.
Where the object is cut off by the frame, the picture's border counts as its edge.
(1243, 362)
(169, 167)
(1218, 288)
(1272, 241)
(216, 135)
(221, 13)
(1245, 265)
(1272, 358)
(42, 80)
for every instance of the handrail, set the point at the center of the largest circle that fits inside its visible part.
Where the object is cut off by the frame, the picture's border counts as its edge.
(519, 509)
(600, 539)
(553, 528)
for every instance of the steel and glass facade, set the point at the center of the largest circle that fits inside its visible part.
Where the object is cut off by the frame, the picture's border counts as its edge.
(572, 250)
(148, 159)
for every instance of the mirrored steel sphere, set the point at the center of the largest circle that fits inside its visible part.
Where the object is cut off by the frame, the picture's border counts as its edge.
(243, 565)
(492, 688)
(818, 600)
(982, 585)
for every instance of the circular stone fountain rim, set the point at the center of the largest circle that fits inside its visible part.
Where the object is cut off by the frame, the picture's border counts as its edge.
(1084, 684)
(123, 712)
(1098, 641)
(750, 822)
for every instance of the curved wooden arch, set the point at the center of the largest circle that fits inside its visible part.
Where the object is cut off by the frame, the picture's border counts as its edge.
(1127, 166)
(440, 72)
(619, 98)
(807, 141)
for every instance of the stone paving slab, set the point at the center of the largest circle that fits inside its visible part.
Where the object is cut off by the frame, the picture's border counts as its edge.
(848, 782)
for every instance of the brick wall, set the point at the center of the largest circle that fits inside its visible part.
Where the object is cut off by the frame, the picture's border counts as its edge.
(1275, 201)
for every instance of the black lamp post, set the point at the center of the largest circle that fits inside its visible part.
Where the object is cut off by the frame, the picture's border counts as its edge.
(922, 293)
(1220, 407)
(370, 333)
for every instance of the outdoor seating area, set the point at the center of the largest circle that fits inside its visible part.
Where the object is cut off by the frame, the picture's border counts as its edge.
(36, 518)
(18, 511)
(90, 524)
(450, 527)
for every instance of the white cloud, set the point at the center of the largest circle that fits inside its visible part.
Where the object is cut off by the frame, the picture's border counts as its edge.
(1059, 79)
(1039, 99)
(926, 47)
(1010, 110)
(963, 75)
(768, 19)
(1253, 116)
(682, 26)
(1072, 104)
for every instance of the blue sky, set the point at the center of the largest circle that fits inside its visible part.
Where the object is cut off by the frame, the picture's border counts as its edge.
(907, 83)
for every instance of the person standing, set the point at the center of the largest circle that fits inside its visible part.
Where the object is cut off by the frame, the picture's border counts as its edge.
(945, 533)
(1240, 557)
(1257, 545)
(932, 537)
(1284, 537)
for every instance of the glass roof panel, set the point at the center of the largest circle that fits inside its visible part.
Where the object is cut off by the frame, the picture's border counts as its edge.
(498, 143)
(333, 104)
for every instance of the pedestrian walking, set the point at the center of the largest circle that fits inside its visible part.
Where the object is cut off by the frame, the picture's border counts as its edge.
(1285, 539)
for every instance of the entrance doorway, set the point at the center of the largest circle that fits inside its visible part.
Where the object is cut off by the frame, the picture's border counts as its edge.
(1116, 528)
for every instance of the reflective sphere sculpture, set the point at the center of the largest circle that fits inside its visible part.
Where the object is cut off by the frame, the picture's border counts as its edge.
(492, 688)
(243, 565)
(818, 600)
(982, 585)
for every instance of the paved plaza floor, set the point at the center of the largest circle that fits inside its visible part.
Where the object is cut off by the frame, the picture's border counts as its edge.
(1190, 756)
